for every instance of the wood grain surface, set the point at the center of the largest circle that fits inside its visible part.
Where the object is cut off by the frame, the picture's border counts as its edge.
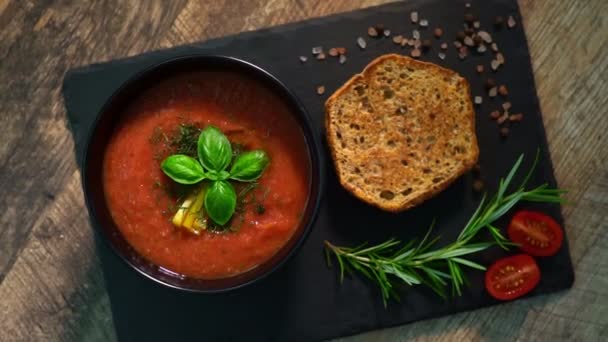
(51, 286)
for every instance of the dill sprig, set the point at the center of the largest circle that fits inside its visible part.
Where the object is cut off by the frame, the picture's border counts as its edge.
(391, 263)
(185, 139)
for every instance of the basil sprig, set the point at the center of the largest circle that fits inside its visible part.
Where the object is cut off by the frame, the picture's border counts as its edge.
(214, 158)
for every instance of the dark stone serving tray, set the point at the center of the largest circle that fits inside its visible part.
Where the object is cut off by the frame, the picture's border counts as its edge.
(304, 300)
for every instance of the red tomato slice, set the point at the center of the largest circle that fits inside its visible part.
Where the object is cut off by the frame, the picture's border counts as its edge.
(536, 233)
(512, 277)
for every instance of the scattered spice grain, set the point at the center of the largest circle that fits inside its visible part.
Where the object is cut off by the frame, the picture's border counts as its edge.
(516, 117)
(504, 132)
(414, 17)
(426, 44)
(469, 18)
(490, 83)
(478, 185)
(502, 119)
(362, 43)
(492, 92)
(438, 32)
(511, 22)
(502, 90)
(499, 22)
(372, 32)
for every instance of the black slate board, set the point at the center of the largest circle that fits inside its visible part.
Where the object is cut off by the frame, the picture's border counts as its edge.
(304, 300)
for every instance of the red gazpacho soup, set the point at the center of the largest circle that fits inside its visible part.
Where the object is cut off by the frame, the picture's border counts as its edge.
(166, 119)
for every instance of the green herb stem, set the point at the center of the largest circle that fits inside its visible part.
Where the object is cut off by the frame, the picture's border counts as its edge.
(206, 155)
(387, 265)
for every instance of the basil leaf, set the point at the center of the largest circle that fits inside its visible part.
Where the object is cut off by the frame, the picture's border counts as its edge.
(249, 166)
(183, 169)
(220, 202)
(214, 150)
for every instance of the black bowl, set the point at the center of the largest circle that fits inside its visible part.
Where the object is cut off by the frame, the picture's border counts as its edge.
(102, 130)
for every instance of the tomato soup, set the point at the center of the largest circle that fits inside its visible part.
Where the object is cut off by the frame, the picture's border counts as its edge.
(136, 188)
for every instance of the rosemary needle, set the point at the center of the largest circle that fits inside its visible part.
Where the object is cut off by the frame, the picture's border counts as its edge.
(391, 263)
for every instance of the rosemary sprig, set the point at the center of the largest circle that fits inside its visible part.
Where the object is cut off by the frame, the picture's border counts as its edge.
(390, 263)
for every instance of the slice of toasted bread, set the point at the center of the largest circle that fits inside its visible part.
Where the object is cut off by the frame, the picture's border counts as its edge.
(401, 131)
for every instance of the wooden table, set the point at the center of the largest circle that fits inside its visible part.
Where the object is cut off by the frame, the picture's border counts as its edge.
(51, 286)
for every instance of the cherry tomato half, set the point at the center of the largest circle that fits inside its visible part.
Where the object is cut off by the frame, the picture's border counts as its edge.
(536, 233)
(512, 277)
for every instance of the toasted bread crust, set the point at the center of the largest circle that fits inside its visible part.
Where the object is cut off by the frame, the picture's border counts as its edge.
(467, 162)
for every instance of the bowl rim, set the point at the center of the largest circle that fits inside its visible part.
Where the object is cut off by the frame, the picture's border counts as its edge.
(312, 142)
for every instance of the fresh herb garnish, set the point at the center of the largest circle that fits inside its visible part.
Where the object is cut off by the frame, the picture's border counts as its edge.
(214, 149)
(215, 155)
(158, 136)
(391, 263)
(220, 202)
(247, 165)
(183, 169)
(185, 140)
(237, 149)
(260, 209)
